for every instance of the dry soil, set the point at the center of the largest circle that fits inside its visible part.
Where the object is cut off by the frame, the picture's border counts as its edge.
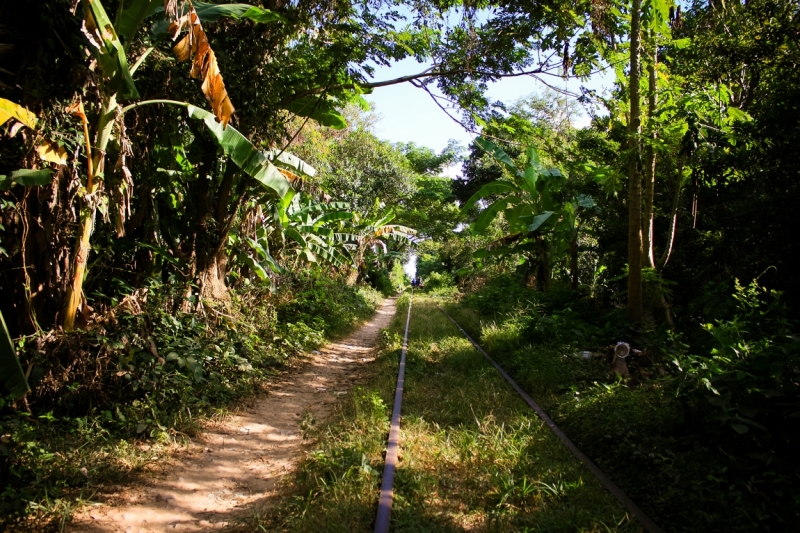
(236, 466)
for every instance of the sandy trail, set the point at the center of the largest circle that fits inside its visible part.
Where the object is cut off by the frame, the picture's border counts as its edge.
(236, 465)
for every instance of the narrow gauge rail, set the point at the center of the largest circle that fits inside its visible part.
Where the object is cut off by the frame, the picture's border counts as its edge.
(389, 467)
(612, 487)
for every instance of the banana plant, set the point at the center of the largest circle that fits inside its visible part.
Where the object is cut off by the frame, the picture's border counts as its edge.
(109, 44)
(531, 207)
(371, 232)
(11, 375)
(298, 225)
(312, 226)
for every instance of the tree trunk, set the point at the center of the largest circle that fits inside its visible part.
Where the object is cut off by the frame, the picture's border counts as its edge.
(573, 260)
(650, 161)
(212, 278)
(673, 221)
(95, 164)
(635, 310)
(543, 265)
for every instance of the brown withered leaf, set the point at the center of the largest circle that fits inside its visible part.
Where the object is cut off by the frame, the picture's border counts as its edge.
(301, 185)
(171, 9)
(77, 110)
(195, 46)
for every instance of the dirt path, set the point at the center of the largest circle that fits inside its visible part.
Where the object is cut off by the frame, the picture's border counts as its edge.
(236, 465)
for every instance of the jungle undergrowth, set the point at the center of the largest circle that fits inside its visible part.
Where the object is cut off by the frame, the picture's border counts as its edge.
(701, 433)
(473, 456)
(115, 400)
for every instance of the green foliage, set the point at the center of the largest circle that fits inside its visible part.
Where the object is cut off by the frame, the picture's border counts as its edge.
(11, 375)
(747, 376)
(441, 284)
(686, 435)
(398, 277)
(156, 371)
(328, 305)
(361, 168)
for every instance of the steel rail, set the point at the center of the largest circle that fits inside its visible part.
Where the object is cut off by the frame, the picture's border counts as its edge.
(612, 487)
(390, 465)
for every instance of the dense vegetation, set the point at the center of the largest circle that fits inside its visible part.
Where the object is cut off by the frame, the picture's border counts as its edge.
(160, 260)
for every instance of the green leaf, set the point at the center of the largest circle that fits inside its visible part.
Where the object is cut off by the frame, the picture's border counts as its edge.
(538, 220)
(681, 44)
(256, 267)
(488, 215)
(265, 255)
(741, 429)
(212, 12)
(331, 255)
(295, 235)
(499, 155)
(334, 216)
(243, 153)
(26, 178)
(292, 161)
(132, 16)
(319, 109)
(735, 114)
(530, 176)
(11, 374)
(108, 50)
(490, 189)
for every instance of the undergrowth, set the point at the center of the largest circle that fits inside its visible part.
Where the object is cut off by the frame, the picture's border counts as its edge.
(700, 434)
(473, 456)
(112, 399)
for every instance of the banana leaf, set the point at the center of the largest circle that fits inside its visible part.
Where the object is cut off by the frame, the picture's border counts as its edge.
(499, 155)
(213, 12)
(488, 215)
(108, 50)
(293, 161)
(9, 110)
(319, 109)
(11, 374)
(26, 178)
(490, 189)
(236, 146)
(133, 15)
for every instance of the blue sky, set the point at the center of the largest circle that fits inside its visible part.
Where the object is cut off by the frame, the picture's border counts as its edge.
(409, 114)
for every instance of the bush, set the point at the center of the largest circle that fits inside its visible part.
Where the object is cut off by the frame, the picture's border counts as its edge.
(148, 370)
(441, 284)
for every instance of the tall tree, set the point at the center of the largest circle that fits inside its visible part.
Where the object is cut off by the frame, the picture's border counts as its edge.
(635, 308)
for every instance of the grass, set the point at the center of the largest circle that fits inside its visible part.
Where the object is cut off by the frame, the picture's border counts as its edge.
(473, 456)
(666, 447)
(91, 429)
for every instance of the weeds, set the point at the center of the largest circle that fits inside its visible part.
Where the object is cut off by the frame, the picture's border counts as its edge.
(473, 456)
(114, 400)
(700, 437)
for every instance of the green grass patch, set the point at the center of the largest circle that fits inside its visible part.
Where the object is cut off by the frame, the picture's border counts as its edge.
(473, 455)
(111, 402)
(667, 440)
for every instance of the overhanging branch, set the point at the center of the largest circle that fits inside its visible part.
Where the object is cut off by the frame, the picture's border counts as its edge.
(429, 73)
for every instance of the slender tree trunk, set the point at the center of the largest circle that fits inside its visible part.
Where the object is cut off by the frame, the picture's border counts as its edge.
(543, 265)
(635, 310)
(673, 220)
(573, 259)
(95, 164)
(650, 161)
